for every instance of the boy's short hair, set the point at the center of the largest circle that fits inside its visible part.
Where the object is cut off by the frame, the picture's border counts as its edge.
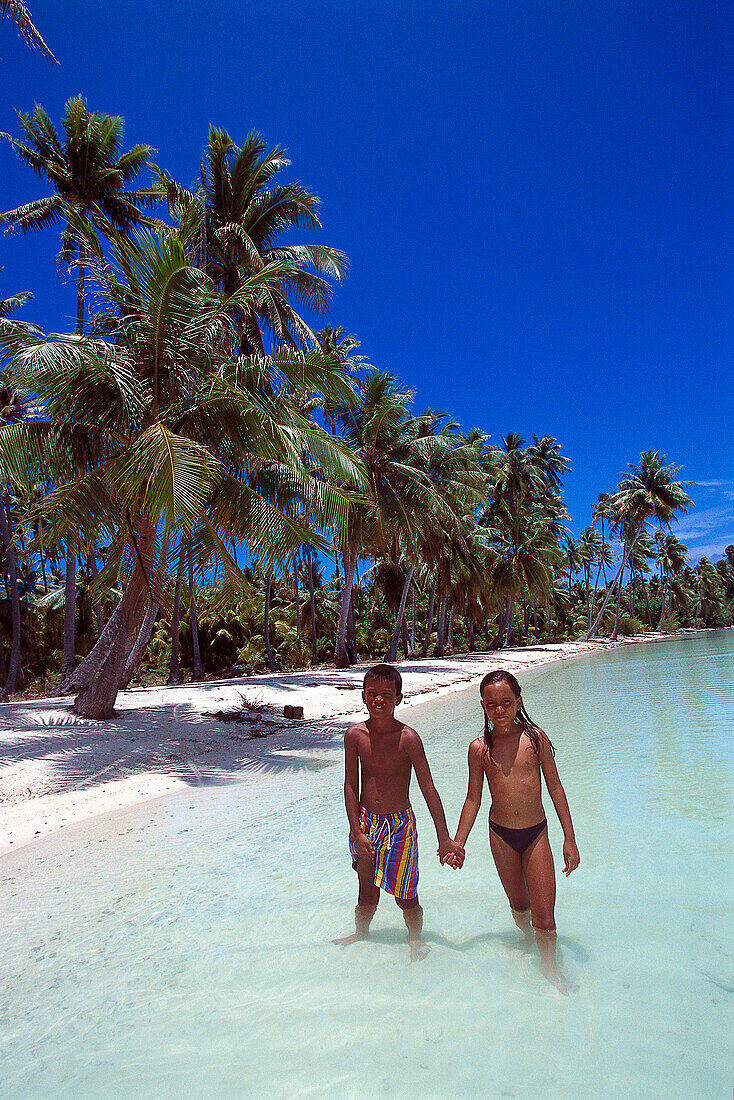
(384, 672)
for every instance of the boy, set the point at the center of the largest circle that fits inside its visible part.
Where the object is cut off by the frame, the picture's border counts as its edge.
(383, 838)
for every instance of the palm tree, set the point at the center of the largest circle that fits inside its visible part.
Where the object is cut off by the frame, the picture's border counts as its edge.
(188, 438)
(89, 176)
(15, 406)
(672, 558)
(574, 559)
(21, 16)
(393, 447)
(709, 591)
(245, 216)
(649, 492)
(590, 551)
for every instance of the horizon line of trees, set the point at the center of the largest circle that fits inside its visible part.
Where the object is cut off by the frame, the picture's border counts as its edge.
(176, 472)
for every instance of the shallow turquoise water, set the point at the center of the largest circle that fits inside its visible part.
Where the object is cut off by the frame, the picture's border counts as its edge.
(184, 948)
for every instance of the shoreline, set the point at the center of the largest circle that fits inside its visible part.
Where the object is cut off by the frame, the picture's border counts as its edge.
(58, 769)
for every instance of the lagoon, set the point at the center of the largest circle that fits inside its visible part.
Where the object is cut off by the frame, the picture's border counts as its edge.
(184, 947)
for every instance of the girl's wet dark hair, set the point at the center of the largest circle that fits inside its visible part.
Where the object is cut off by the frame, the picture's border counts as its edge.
(522, 718)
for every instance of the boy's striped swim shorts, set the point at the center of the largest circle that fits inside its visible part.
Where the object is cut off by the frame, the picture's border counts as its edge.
(394, 838)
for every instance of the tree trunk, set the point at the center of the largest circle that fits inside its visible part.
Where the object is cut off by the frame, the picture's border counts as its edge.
(610, 590)
(272, 663)
(662, 599)
(412, 623)
(508, 640)
(616, 610)
(141, 642)
(439, 648)
(139, 645)
(352, 631)
(97, 606)
(97, 697)
(196, 674)
(450, 634)
(312, 609)
(647, 602)
(67, 662)
(341, 657)
(429, 622)
(87, 670)
(175, 676)
(393, 650)
(535, 620)
(296, 595)
(14, 662)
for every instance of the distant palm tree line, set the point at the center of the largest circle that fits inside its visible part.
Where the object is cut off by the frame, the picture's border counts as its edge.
(196, 436)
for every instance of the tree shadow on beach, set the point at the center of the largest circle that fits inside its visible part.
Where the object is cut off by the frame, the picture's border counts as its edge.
(46, 745)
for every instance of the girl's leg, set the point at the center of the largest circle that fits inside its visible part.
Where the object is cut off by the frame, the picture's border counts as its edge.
(541, 880)
(509, 867)
(537, 865)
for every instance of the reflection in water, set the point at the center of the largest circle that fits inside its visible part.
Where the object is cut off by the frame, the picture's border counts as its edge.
(184, 948)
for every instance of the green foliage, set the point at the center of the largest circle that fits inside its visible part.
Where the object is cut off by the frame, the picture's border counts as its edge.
(629, 626)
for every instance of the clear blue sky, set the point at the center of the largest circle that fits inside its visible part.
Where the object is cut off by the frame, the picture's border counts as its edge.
(535, 197)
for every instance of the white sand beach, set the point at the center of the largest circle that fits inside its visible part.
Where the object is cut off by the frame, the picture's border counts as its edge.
(57, 769)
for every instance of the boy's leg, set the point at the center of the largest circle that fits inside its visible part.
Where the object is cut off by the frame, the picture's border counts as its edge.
(367, 899)
(540, 876)
(413, 917)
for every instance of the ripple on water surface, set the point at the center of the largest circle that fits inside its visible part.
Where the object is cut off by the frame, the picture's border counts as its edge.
(184, 947)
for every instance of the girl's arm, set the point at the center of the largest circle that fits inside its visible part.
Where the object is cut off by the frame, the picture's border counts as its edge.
(571, 856)
(473, 799)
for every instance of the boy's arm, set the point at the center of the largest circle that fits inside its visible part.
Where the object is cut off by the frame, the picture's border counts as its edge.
(351, 791)
(413, 746)
(571, 856)
(473, 799)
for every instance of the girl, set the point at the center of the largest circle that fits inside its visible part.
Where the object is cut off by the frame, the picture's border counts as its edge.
(512, 753)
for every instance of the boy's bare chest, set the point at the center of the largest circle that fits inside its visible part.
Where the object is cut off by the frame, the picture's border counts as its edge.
(383, 756)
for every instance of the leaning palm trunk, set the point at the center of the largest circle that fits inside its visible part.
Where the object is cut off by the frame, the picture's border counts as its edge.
(393, 650)
(341, 657)
(67, 662)
(87, 670)
(141, 642)
(616, 610)
(97, 697)
(12, 580)
(592, 631)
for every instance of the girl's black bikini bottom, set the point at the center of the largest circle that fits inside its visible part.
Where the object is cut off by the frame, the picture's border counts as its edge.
(519, 839)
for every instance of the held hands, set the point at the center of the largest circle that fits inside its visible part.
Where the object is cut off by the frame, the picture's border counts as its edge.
(571, 857)
(451, 853)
